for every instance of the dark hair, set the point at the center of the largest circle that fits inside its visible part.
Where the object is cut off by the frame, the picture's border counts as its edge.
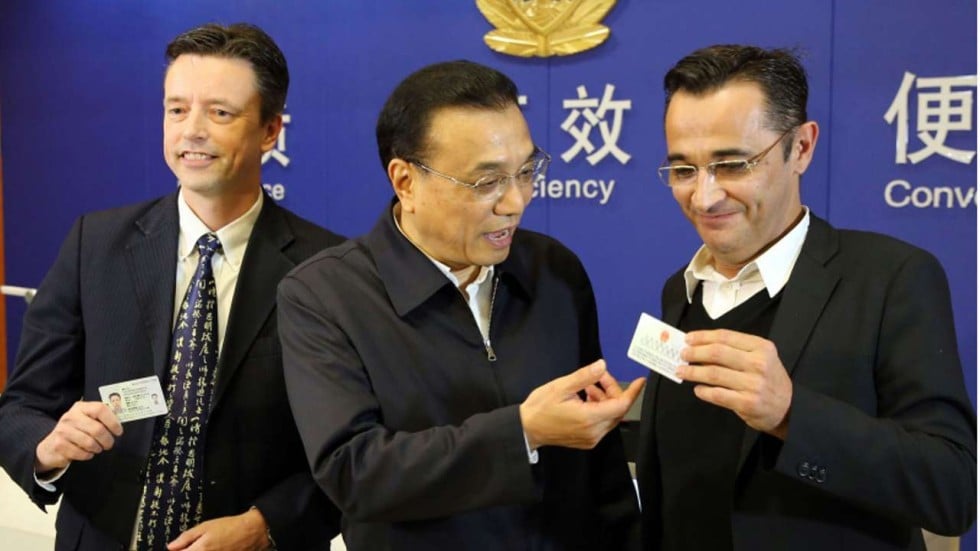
(778, 72)
(116, 394)
(241, 41)
(404, 120)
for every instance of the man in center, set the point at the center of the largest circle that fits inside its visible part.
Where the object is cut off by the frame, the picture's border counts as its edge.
(435, 365)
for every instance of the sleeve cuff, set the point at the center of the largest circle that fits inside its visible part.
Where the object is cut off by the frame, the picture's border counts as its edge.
(532, 455)
(48, 481)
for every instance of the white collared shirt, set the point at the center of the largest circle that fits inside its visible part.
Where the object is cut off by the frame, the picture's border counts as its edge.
(769, 271)
(226, 263)
(477, 293)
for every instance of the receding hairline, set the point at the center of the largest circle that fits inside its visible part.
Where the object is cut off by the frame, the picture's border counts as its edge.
(426, 142)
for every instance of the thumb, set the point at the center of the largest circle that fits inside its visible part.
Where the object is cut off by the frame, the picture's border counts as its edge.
(632, 392)
(185, 539)
(617, 408)
(582, 377)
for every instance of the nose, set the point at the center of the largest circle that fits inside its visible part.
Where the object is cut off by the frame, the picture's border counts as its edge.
(195, 125)
(513, 199)
(707, 192)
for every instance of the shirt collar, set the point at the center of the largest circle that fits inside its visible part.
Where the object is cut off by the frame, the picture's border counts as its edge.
(410, 278)
(485, 271)
(233, 236)
(774, 266)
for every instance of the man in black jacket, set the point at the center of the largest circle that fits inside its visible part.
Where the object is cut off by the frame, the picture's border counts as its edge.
(433, 365)
(824, 407)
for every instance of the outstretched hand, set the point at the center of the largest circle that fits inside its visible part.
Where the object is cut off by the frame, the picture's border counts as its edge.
(555, 415)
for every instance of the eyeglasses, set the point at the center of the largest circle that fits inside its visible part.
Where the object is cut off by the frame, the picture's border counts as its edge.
(728, 170)
(490, 187)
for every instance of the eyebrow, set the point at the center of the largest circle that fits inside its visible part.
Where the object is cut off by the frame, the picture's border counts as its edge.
(730, 152)
(211, 102)
(495, 165)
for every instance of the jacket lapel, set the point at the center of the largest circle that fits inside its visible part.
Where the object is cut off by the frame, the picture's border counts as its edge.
(804, 298)
(151, 254)
(264, 265)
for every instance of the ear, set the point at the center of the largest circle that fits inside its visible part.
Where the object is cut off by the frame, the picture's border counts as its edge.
(803, 146)
(403, 180)
(272, 130)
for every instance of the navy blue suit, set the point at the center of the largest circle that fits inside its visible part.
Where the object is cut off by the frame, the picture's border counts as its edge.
(102, 315)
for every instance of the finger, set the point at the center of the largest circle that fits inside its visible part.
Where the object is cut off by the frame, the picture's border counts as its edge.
(60, 451)
(734, 339)
(92, 428)
(633, 391)
(614, 409)
(710, 394)
(609, 410)
(595, 394)
(610, 385)
(76, 438)
(108, 419)
(713, 375)
(581, 378)
(721, 397)
(718, 354)
(95, 411)
(185, 540)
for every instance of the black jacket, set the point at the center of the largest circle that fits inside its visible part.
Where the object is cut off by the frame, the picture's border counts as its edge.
(414, 432)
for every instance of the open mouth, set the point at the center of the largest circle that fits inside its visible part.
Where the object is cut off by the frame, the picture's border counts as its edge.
(501, 237)
(195, 156)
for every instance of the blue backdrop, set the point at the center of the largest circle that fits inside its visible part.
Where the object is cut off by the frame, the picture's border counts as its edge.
(80, 106)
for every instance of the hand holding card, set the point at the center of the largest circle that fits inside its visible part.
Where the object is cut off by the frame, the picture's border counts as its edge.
(85, 430)
(657, 346)
(135, 399)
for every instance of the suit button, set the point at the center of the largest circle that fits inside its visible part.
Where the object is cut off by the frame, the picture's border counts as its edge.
(803, 469)
(821, 475)
(212, 482)
(141, 474)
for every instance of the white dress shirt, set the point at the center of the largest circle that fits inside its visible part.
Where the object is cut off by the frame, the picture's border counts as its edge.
(769, 271)
(226, 263)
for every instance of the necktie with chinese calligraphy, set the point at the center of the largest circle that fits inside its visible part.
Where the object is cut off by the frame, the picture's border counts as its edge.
(173, 494)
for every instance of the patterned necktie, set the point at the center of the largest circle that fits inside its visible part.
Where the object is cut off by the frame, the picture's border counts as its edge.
(173, 496)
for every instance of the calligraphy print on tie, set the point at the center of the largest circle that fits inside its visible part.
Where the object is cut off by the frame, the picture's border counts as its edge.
(173, 494)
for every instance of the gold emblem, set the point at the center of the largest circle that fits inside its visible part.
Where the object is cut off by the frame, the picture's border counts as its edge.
(545, 28)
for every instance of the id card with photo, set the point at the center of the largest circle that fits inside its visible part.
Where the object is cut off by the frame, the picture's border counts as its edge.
(657, 346)
(135, 399)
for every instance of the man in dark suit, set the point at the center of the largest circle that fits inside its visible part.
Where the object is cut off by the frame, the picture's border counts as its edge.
(434, 365)
(824, 405)
(235, 476)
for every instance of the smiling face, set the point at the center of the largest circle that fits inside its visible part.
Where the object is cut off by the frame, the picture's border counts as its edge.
(442, 217)
(213, 135)
(739, 219)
